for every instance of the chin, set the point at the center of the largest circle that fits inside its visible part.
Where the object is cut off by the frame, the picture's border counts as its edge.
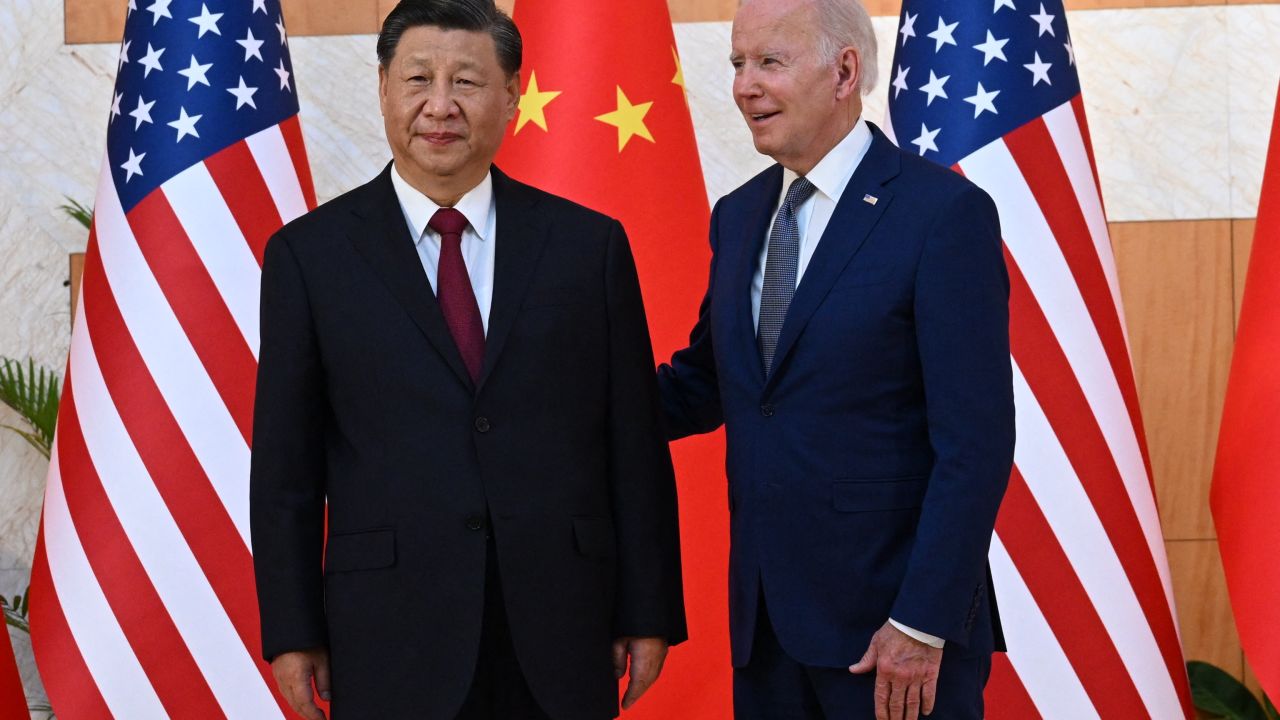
(763, 146)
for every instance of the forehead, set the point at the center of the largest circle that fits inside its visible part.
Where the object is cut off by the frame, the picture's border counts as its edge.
(431, 45)
(774, 26)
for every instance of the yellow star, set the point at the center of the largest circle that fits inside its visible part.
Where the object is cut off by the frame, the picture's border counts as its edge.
(533, 104)
(629, 119)
(679, 78)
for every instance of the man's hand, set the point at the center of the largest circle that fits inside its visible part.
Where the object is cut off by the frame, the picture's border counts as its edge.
(294, 672)
(906, 674)
(647, 655)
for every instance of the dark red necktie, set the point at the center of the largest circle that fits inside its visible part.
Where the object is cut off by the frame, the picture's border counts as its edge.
(454, 292)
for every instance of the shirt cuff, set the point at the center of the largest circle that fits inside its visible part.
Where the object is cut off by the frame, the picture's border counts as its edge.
(926, 638)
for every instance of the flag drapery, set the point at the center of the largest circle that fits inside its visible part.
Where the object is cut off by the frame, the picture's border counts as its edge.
(1246, 488)
(143, 595)
(604, 121)
(13, 702)
(989, 88)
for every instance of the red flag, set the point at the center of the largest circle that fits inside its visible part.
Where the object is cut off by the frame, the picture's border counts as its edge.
(604, 121)
(1246, 486)
(13, 703)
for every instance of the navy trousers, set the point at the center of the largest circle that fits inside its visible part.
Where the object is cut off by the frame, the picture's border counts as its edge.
(773, 686)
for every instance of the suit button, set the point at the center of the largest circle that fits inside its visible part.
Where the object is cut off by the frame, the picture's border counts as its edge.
(475, 522)
(766, 410)
(482, 424)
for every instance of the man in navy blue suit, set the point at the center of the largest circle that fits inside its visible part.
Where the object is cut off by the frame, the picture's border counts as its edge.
(854, 343)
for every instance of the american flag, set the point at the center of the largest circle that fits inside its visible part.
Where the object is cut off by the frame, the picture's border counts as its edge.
(143, 596)
(989, 88)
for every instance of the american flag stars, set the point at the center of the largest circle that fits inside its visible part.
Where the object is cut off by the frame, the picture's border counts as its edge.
(252, 46)
(988, 69)
(211, 71)
(206, 21)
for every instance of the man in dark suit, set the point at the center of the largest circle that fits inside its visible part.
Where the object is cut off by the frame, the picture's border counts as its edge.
(853, 342)
(460, 365)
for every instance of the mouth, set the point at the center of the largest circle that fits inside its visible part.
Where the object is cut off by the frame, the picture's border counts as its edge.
(440, 138)
(761, 118)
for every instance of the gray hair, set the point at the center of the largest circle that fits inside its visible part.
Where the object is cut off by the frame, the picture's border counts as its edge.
(845, 23)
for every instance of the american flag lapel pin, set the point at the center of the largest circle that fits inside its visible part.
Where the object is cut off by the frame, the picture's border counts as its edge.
(870, 199)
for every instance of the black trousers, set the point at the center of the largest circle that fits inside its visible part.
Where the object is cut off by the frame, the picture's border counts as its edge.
(774, 686)
(499, 690)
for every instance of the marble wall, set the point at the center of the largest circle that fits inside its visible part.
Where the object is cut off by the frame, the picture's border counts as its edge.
(1179, 101)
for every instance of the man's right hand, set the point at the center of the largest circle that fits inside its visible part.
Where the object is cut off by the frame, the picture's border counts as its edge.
(294, 672)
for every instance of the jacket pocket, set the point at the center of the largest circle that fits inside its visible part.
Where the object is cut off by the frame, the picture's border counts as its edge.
(593, 537)
(875, 495)
(364, 550)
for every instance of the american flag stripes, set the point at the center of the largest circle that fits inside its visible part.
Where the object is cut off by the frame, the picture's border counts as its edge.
(143, 596)
(989, 88)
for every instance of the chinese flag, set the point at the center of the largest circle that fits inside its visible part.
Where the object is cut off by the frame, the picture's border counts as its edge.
(1246, 476)
(13, 704)
(604, 121)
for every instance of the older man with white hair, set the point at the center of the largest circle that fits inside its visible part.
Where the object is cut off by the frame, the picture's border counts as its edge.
(854, 343)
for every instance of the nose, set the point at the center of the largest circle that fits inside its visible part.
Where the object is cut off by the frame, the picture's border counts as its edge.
(745, 85)
(439, 102)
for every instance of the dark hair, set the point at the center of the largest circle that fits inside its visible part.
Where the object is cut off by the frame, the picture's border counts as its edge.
(473, 15)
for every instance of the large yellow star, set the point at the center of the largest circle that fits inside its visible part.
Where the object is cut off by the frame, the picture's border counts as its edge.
(629, 119)
(533, 104)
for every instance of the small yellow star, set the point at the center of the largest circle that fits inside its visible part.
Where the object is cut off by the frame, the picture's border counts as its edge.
(679, 78)
(629, 119)
(533, 104)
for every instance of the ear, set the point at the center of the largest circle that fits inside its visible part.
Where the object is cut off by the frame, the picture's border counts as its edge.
(513, 94)
(848, 73)
(382, 88)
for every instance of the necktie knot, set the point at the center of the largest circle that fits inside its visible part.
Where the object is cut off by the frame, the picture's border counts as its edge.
(799, 191)
(448, 221)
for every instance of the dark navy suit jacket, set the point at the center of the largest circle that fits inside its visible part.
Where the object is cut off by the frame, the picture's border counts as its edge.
(866, 471)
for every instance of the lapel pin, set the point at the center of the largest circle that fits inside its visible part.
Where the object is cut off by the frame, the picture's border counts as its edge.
(870, 199)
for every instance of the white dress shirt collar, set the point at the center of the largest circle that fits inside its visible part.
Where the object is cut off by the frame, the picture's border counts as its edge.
(419, 209)
(834, 171)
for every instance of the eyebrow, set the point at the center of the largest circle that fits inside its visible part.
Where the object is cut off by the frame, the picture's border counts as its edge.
(419, 61)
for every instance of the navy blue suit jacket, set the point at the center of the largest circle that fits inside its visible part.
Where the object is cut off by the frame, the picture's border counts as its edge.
(866, 471)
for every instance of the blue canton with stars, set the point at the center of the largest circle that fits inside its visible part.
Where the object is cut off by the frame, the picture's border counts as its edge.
(966, 72)
(194, 77)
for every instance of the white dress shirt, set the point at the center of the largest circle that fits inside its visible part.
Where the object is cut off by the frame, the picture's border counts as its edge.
(478, 239)
(830, 177)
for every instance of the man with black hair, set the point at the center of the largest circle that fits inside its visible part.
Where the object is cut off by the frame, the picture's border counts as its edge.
(459, 364)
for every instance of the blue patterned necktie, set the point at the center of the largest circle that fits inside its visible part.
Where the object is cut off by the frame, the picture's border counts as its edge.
(780, 269)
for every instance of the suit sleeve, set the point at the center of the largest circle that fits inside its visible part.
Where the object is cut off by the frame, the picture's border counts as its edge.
(688, 385)
(287, 479)
(962, 326)
(650, 601)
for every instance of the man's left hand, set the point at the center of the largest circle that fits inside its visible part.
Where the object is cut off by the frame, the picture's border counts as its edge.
(647, 655)
(906, 674)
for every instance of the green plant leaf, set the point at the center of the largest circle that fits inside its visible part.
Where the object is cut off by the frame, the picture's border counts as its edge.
(77, 212)
(1215, 691)
(33, 393)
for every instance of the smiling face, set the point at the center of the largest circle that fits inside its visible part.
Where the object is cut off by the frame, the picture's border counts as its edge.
(445, 104)
(797, 103)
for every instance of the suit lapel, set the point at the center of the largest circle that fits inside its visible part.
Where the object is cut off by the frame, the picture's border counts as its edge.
(754, 227)
(847, 230)
(522, 235)
(383, 239)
